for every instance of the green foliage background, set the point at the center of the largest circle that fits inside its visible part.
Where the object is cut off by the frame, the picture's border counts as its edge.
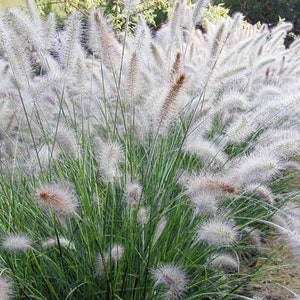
(267, 11)
(155, 11)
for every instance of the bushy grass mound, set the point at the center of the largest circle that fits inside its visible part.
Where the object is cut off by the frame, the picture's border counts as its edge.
(142, 165)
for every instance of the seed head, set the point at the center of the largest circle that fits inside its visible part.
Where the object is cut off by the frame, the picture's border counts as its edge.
(170, 103)
(131, 5)
(143, 215)
(209, 153)
(217, 232)
(6, 289)
(254, 240)
(173, 279)
(257, 168)
(16, 243)
(60, 198)
(210, 184)
(111, 155)
(224, 261)
(239, 130)
(133, 193)
(99, 265)
(204, 204)
(262, 192)
(116, 252)
(54, 242)
(159, 229)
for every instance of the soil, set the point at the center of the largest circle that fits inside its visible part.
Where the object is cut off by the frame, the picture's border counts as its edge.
(279, 277)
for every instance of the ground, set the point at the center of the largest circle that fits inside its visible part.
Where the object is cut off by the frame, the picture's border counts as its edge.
(279, 278)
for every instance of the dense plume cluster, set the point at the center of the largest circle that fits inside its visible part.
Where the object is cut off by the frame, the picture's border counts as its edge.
(59, 84)
(231, 88)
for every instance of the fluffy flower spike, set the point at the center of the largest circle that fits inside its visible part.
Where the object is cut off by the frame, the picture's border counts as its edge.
(172, 278)
(6, 289)
(60, 198)
(16, 243)
(216, 232)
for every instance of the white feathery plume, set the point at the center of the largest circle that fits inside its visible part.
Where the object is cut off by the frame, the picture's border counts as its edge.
(261, 191)
(176, 24)
(172, 278)
(292, 237)
(217, 44)
(114, 254)
(133, 193)
(217, 232)
(67, 141)
(25, 27)
(204, 204)
(239, 130)
(131, 5)
(133, 79)
(42, 158)
(142, 39)
(111, 155)
(17, 55)
(117, 252)
(285, 143)
(33, 11)
(31, 32)
(49, 32)
(103, 42)
(216, 186)
(210, 154)
(159, 229)
(257, 168)
(231, 103)
(70, 41)
(99, 264)
(59, 241)
(58, 197)
(143, 215)
(224, 261)
(16, 243)
(7, 118)
(199, 8)
(278, 33)
(6, 289)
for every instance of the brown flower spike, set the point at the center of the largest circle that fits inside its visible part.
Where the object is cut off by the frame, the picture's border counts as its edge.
(60, 198)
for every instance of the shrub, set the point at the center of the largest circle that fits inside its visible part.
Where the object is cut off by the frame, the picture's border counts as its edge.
(215, 12)
(266, 11)
(155, 11)
(141, 166)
